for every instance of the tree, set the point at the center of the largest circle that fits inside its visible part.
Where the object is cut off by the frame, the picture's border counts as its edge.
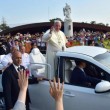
(101, 24)
(4, 25)
(93, 22)
(85, 22)
(52, 20)
(107, 24)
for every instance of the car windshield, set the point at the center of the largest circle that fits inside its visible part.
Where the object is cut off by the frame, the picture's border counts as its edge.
(104, 59)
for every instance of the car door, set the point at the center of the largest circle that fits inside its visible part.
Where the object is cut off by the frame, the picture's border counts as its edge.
(39, 93)
(75, 97)
(83, 98)
(40, 97)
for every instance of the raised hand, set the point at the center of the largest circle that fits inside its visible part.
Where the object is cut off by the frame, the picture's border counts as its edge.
(23, 80)
(51, 29)
(56, 89)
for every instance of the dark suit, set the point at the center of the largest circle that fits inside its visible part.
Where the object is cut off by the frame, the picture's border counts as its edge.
(79, 77)
(2, 51)
(4, 48)
(11, 88)
(8, 46)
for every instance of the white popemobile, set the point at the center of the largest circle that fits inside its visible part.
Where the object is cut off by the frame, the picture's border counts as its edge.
(76, 97)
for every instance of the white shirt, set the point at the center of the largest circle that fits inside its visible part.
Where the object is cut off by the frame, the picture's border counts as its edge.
(17, 37)
(25, 60)
(7, 59)
(17, 46)
(1, 58)
(16, 67)
(43, 44)
(39, 41)
(82, 70)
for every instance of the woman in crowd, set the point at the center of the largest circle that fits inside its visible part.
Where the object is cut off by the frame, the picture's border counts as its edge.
(56, 91)
(33, 45)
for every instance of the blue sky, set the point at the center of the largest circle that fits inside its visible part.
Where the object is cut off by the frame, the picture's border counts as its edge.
(17, 12)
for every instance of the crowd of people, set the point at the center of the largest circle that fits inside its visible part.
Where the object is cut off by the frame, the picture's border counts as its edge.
(29, 40)
(22, 50)
(27, 59)
(15, 82)
(15, 86)
(16, 62)
(84, 37)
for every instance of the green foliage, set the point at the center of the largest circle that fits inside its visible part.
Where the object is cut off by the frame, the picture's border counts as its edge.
(3, 25)
(107, 24)
(93, 22)
(101, 24)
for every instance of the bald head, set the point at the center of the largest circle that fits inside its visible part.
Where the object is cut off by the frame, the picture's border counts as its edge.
(13, 49)
(17, 58)
(22, 49)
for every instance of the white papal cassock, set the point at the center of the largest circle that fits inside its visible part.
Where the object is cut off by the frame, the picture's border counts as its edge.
(55, 42)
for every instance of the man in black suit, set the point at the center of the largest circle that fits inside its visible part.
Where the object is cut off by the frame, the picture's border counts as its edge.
(3, 48)
(10, 82)
(79, 77)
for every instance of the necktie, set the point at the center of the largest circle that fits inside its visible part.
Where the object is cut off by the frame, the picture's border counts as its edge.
(18, 68)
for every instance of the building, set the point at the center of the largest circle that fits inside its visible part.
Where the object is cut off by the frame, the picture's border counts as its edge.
(42, 27)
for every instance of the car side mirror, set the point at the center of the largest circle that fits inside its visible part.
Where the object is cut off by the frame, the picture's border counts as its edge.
(102, 87)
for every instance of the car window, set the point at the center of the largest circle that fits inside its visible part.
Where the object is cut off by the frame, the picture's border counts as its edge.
(69, 65)
(91, 70)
